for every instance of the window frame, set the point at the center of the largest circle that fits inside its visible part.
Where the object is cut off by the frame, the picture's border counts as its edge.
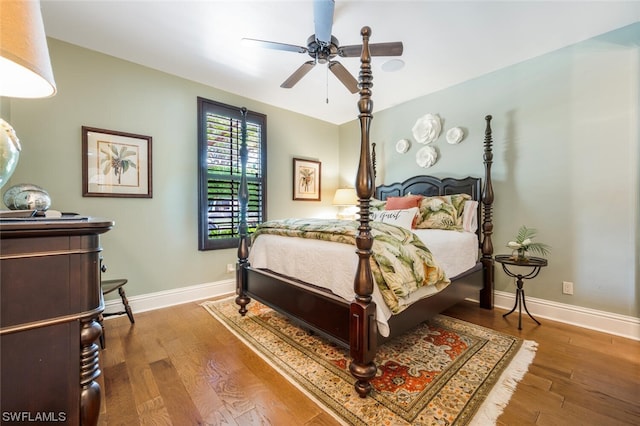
(206, 106)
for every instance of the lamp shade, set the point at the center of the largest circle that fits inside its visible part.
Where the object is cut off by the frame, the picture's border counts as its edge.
(345, 197)
(25, 67)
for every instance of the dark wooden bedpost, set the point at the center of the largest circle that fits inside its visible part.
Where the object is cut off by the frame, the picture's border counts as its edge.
(243, 198)
(362, 315)
(486, 294)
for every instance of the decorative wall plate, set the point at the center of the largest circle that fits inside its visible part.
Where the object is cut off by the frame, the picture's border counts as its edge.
(403, 146)
(427, 128)
(455, 135)
(426, 157)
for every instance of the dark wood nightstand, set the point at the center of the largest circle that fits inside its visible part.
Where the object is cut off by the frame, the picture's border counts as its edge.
(535, 263)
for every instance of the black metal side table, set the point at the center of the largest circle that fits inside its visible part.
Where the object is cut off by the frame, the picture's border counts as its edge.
(535, 263)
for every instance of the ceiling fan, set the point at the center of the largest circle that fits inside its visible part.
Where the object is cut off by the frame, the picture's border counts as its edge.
(323, 47)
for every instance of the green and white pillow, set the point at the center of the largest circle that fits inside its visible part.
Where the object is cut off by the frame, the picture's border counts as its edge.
(442, 212)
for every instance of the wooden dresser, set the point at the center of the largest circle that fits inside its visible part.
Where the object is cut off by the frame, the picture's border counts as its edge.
(49, 306)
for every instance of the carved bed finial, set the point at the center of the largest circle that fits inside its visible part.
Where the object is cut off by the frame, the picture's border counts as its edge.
(362, 311)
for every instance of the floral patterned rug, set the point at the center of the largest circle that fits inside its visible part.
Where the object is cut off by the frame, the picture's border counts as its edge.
(443, 372)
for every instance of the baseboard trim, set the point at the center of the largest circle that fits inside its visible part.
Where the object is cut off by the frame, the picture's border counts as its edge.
(607, 322)
(619, 325)
(164, 299)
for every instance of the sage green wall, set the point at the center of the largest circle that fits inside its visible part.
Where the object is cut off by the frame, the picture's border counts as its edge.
(566, 131)
(566, 153)
(154, 242)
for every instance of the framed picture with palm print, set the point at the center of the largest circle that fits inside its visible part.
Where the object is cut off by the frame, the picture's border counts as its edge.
(306, 180)
(115, 164)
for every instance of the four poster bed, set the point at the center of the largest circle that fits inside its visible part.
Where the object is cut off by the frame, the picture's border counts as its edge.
(355, 321)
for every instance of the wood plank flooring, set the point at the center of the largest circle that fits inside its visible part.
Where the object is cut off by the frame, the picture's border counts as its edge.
(179, 366)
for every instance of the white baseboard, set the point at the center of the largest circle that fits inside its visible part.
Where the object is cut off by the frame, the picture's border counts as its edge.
(619, 325)
(163, 299)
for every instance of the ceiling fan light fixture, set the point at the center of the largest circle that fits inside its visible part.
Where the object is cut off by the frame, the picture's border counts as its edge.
(322, 57)
(392, 65)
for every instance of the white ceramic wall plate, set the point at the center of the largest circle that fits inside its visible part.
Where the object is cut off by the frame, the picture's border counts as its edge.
(427, 128)
(426, 157)
(455, 135)
(403, 146)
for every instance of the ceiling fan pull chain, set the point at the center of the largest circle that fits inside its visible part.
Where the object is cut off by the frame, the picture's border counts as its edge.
(327, 85)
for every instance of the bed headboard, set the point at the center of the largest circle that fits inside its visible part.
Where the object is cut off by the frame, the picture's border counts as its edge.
(430, 186)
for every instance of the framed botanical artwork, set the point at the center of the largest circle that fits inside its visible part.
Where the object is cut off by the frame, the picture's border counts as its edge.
(306, 180)
(115, 164)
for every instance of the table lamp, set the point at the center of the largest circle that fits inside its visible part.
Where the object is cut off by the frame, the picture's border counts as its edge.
(348, 200)
(25, 68)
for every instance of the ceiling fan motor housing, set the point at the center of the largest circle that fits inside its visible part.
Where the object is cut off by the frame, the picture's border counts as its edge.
(320, 51)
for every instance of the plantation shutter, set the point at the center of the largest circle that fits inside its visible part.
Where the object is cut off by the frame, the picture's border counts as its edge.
(221, 142)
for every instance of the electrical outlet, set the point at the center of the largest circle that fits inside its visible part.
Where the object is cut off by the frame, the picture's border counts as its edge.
(231, 267)
(567, 287)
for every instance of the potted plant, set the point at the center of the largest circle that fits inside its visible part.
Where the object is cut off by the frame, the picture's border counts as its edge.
(523, 245)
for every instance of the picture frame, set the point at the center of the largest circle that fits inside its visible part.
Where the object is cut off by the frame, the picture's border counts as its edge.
(307, 180)
(116, 164)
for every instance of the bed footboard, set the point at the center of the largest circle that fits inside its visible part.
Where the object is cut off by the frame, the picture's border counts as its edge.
(312, 308)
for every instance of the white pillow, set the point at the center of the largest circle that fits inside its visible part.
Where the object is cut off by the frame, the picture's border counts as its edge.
(404, 218)
(470, 216)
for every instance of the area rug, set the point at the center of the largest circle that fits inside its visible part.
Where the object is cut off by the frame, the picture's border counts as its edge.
(443, 372)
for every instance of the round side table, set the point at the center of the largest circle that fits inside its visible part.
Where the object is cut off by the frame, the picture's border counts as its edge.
(535, 263)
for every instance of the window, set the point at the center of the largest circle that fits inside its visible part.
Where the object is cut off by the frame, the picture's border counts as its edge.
(219, 141)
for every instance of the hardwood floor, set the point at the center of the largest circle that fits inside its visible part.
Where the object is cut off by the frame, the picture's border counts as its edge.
(179, 366)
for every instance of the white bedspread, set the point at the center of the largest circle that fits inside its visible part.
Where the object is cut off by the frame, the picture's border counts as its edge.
(333, 265)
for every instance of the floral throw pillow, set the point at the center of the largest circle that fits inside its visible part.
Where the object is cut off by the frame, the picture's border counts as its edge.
(442, 212)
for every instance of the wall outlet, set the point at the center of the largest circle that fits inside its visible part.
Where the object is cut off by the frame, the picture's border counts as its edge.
(231, 268)
(567, 287)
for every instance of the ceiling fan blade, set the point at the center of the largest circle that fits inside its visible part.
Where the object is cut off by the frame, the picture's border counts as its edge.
(393, 48)
(298, 74)
(344, 76)
(323, 19)
(274, 45)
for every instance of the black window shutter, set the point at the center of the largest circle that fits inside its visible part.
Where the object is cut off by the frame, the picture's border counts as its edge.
(220, 140)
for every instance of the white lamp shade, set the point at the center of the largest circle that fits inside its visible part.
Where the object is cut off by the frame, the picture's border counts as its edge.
(25, 67)
(345, 197)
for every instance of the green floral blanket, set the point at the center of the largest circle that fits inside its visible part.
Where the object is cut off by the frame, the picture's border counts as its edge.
(400, 262)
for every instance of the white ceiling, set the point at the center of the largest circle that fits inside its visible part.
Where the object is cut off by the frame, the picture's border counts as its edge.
(445, 42)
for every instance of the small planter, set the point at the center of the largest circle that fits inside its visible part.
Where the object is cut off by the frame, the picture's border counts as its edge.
(523, 245)
(520, 255)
